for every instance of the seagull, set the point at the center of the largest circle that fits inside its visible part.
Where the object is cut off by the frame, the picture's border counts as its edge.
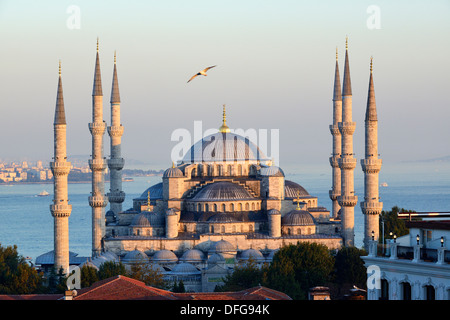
(203, 73)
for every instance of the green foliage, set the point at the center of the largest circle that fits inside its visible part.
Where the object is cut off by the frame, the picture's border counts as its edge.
(297, 268)
(147, 273)
(244, 276)
(16, 275)
(110, 269)
(88, 276)
(349, 267)
(392, 223)
(179, 288)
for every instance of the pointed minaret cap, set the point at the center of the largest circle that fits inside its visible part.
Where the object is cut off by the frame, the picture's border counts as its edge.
(115, 95)
(224, 127)
(337, 82)
(97, 90)
(347, 85)
(371, 111)
(60, 114)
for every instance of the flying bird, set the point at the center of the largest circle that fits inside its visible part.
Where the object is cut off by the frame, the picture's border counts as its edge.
(203, 73)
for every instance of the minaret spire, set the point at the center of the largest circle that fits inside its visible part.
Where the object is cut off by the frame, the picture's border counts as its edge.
(347, 163)
(115, 164)
(371, 165)
(97, 163)
(335, 191)
(224, 127)
(60, 209)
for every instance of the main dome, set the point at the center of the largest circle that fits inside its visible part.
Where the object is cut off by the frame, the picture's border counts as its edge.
(222, 191)
(224, 146)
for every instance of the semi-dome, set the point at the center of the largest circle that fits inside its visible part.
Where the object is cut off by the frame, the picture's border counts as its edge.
(271, 171)
(273, 212)
(293, 190)
(184, 268)
(192, 256)
(222, 246)
(222, 217)
(254, 254)
(173, 172)
(298, 218)
(216, 258)
(146, 219)
(164, 256)
(224, 146)
(135, 256)
(156, 192)
(222, 191)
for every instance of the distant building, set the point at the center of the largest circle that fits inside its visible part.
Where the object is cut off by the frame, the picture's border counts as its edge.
(416, 266)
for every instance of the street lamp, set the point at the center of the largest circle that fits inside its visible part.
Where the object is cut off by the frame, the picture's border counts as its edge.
(395, 238)
(418, 239)
(442, 242)
(373, 235)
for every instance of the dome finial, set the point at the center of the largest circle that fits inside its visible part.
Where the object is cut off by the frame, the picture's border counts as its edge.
(59, 67)
(346, 43)
(114, 56)
(224, 127)
(97, 44)
(148, 200)
(298, 201)
(371, 64)
(336, 53)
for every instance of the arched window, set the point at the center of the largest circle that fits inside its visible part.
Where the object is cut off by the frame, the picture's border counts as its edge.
(250, 228)
(239, 173)
(240, 206)
(212, 229)
(299, 231)
(247, 207)
(223, 229)
(232, 207)
(194, 172)
(406, 291)
(253, 206)
(199, 207)
(234, 229)
(215, 207)
(229, 170)
(224, 207)
(206, 207)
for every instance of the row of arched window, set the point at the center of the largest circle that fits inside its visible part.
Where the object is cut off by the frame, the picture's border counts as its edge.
(220, 170)
(232, 207)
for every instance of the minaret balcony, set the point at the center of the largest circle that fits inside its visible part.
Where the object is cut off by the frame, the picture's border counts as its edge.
(371, 165)
(98, 201)
(334, 195)
(334, 161)
(115, 131)
(347, 163)
(116, 196)
(116, 163)
(347, 128)
(371, 207)
(60, 168)
(334, 129)
(347, 201)
(97, 128)
(97, 164)
(60, 210)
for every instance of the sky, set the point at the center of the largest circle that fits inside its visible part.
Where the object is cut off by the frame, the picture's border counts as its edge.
(275, 71)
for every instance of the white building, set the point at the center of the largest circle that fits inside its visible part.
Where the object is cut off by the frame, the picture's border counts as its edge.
(416, 266)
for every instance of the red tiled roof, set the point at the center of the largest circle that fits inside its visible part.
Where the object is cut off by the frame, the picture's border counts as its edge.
(30, 296)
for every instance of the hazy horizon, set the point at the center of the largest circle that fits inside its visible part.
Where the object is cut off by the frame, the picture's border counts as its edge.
(275, 70)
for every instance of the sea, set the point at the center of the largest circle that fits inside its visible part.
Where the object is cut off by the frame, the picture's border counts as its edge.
(26, 221)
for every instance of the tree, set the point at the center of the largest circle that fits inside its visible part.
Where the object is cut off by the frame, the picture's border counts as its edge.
(16, 275)
(297, 268)
(392, 223)
(179, 288)
(88, 276)
(349, 270)
(244, 276)
(147, 273)
(110, 269)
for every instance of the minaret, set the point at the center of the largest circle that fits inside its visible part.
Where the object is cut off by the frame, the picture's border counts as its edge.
(98, 199)
(347, 162)
(371, 166)
(335, 191)
(115, 164)
(60, 167)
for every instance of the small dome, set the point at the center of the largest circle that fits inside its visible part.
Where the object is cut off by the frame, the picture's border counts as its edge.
(273, 211)
(173, 173)
(298, 218)
(146, 219)
(184, 269)
(216, 258)
(164, 256)
(251, 254)
(156, 192)
(192, 255)
(222, 246)
(292, 190)
(271, 171)
(135, 256)
(110, 213)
